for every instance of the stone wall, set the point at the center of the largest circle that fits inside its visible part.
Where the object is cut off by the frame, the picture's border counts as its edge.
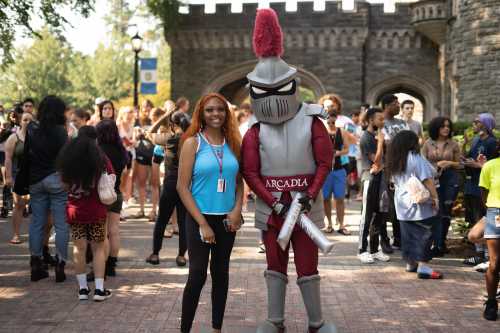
(473, 50)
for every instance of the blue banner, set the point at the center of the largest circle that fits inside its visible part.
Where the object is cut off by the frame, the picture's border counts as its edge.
(148, 76)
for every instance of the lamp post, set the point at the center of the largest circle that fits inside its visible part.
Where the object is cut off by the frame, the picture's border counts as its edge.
(136, 47)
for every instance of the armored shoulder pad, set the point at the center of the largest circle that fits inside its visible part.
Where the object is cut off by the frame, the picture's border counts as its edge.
(315, 110)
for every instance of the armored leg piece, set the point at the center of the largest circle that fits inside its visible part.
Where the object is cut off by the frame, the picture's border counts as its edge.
(276, 292)
(310, 290)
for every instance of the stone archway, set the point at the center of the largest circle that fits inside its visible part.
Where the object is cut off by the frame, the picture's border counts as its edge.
(427, 93)
(232, 83)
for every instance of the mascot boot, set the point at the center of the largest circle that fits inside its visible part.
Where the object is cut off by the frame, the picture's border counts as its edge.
(310, 290)
(276, 292)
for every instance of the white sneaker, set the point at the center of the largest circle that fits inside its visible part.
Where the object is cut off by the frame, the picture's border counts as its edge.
(366, 258)
(482, 267)
(381, 256)
(52, 238)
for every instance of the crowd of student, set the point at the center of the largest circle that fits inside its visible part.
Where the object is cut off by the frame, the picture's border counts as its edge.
(57, 159)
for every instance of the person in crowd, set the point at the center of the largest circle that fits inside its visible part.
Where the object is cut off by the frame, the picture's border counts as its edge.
(157, 159)
(169, 106)
(9, 127)
(143, 154)
(94, 118)
(375, 202)
(14, 150)
(125, 122)
(336, 181)
(110, 143)
(333, 104)
(81, 163)
(80, 118)
(392, 126)
(407, 109)
(209, 185)
(177, 123)
(28, 105)
(44, 139)
(489, 182)
(182, 104)
(417, 218)
(355, 131)
(357, 117)
(106, 110)
(444, 153)
(483, 145)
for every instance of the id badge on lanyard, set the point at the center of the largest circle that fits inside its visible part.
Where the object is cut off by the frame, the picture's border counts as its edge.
(221, 182)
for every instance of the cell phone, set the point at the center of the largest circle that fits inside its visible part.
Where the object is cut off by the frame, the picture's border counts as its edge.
(226, 224)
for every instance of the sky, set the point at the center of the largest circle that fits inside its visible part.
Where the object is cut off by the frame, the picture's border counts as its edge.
(86, 33)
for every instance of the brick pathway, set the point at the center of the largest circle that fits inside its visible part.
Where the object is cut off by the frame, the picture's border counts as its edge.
(375, 298)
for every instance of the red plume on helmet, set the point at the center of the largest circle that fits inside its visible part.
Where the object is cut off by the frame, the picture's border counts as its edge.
(267, 34)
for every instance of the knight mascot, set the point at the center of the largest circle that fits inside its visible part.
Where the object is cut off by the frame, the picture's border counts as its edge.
(286, 154)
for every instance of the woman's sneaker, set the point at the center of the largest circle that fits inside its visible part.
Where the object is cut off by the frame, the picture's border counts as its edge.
(366, 258)
(381, 256)
(101, 295)
(83, 294)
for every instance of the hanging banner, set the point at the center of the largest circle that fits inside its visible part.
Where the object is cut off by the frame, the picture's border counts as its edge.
(149, 76)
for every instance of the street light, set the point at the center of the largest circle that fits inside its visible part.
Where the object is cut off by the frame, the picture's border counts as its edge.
(136, 46)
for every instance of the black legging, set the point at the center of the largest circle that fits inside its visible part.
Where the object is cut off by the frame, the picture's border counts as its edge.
(198, 263)
(168, 201)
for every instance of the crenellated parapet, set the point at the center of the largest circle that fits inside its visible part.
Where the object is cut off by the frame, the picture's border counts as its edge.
(299, 38)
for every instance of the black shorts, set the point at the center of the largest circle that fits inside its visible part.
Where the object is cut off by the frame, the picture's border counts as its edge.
(142, 161)
(130, 158)
(116, 207)
(2, 158)
(158, 159)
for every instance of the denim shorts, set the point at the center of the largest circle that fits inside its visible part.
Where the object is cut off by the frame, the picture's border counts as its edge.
(490, 229)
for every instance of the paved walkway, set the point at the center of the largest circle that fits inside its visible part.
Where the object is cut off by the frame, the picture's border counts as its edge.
(376, 298)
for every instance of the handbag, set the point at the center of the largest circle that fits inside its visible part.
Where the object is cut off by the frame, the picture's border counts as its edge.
(106, 188)
(417, 191)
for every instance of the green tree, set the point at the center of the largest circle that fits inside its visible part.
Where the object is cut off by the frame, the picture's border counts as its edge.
(112, 72)
(20, 13)
(82, 90)
(39, 70)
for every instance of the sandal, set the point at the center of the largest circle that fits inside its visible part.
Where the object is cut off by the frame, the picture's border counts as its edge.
(168, 233)
(329, 229)
(152, 261)
(344, 231)
(139, 215)
(152, 217)
(15, 240)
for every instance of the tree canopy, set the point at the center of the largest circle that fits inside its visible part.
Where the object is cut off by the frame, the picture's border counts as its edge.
(15, 14)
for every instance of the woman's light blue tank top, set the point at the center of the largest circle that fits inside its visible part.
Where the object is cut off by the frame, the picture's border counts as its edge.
(206, 173)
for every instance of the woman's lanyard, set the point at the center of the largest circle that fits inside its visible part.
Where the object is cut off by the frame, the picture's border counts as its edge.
(219, 156)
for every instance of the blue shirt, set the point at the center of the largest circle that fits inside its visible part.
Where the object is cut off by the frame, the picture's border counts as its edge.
(206, 175)
(405, 211)
(488, 148)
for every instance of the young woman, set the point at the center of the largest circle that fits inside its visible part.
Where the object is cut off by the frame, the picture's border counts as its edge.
(177, 123)
(143, 155)
(43, 142)
(81, 164)
(110, 143)
(79, 118)
(125, 123)
(489, 182)
(210, 187)
(9, 126)
(106, 110)
(14, 150)
(444, 153)
(155, 167)
(403, 161)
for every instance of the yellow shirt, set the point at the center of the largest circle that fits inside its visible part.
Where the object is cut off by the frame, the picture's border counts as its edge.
(490, 180)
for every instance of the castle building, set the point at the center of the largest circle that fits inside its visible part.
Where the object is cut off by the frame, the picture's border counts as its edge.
(446, 53)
